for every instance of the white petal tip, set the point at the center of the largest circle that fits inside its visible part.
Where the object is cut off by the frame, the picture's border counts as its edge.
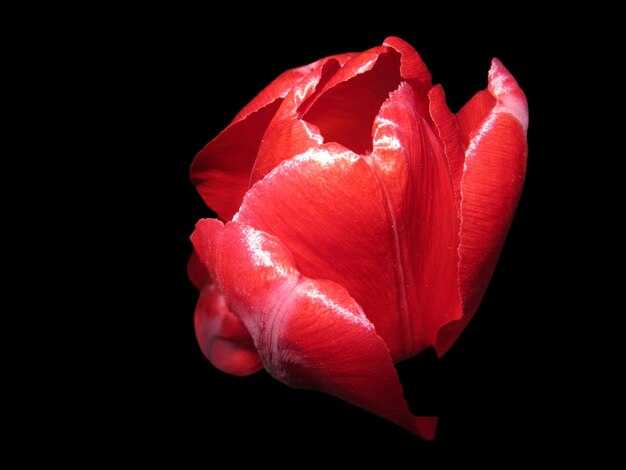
(510, 96)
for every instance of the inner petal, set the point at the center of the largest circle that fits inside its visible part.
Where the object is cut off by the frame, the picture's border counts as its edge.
(472, 114)
(345, 112)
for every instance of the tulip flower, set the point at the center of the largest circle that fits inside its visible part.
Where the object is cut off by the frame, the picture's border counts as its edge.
(359, 222)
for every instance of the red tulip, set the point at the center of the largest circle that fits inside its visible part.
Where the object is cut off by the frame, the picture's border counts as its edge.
(359, 223)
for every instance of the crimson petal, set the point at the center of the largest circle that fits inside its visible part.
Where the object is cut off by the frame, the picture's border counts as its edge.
(495, 164)
(412, 66)
(410, 164)
(286, 135)
(392, 238)
(345, 109)
(470, 116)
(357, 64)
(221, 170)
(310, 334)
(278, 88)
(449, 134)
(413, 70)
(197, 271)
(222, 336)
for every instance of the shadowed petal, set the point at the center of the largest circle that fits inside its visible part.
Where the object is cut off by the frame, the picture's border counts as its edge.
(470, 116)
(450, 136)
(357, 64)
(221, 170)
(412, 66)
(222, 337)
(197, 271)
(414, 71)
(345, 110)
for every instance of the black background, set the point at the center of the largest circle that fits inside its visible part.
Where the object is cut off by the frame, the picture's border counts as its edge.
(152, 90)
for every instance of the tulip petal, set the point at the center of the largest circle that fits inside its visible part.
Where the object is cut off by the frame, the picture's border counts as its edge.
(449, 134)
(222, 336)
(345, 217)
(495, 165)
(510, 97)
(410, 164)
(413, 70)
(221, 170)
(277, 89)
(197, 271)
(345, 109)
(286, 135)
(309, 333)
(470, 116)
(356, 65)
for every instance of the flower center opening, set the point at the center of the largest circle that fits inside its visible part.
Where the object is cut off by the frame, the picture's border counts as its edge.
(345, 113)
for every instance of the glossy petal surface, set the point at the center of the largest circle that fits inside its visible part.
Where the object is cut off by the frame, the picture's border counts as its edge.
(364, 222)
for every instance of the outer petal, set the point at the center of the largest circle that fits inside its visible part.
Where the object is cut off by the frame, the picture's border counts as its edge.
(279, 88)
(384, 226)
(221, 170)
(503, 92)
(197, 271)
(310, 334)
(410, 164)
(495, 164)
(223, 338)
